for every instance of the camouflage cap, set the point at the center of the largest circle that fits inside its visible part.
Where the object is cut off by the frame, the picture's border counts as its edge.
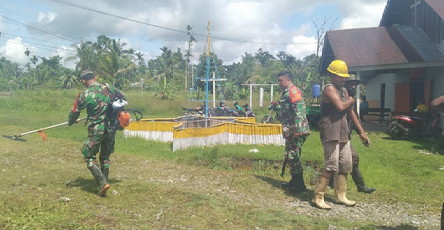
(86, 75)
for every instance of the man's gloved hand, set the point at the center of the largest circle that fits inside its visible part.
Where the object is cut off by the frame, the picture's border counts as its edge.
(72, 118)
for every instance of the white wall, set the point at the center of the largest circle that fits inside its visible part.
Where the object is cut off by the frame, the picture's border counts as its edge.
(373, 88)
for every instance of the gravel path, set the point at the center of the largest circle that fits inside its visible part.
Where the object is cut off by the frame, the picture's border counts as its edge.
(267, 195)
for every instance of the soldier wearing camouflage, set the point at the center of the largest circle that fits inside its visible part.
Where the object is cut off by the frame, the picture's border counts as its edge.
(295, 128)
(101, 129)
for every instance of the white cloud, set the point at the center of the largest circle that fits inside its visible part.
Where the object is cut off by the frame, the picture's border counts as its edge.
(362, 14)
(302, 46)
(64, 52)
(14, 50)
(247, 20)
(255, 21)
(2, 25)
(46, 17)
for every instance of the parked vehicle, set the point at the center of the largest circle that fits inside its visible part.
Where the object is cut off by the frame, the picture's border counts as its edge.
(313, 115)
(248, 111)
(239, 109)
(411, 126)
(221, 111)
(275, 108)
(193, 111)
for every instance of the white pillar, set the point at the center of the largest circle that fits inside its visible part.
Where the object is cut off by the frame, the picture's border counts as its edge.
(261, 97)
(271, 93)
(251, 96)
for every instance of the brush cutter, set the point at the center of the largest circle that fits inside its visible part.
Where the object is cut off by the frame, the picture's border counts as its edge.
(41, 132)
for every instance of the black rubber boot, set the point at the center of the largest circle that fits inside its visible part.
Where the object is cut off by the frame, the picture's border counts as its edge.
(290, 183)
(331, 183)
(100, 178)
(299, 185)
(105, 172)
(359, 181)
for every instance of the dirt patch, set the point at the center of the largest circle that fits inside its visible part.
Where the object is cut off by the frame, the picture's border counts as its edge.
(257, 164)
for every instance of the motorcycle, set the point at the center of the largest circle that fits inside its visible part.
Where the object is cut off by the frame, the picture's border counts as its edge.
(274, 107)
(239, 109)
(410, 126)
(225, 111)
(199, 111)
(248, 111)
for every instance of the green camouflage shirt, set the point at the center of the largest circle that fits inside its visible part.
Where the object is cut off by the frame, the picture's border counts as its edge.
(95, 100)
(293, 114)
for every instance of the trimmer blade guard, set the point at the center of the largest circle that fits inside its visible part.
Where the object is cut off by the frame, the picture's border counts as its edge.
(15, 138)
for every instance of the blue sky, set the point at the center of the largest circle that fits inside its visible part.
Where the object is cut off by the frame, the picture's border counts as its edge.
(268, 22)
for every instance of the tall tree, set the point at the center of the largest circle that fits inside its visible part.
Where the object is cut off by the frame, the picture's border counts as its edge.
(188, 54)
(321, 29)
(263, 57)
(86, 56)
(115, 61)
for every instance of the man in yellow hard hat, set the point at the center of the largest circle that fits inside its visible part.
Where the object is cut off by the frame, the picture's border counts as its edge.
(336, 104)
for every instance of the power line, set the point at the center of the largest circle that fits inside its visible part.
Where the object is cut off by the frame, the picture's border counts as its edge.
(31, 38)
(42, 46)
(65, 2)
(36, 29)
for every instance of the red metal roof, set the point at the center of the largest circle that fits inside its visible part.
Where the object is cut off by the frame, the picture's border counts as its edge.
(365, 47)
(437, 6)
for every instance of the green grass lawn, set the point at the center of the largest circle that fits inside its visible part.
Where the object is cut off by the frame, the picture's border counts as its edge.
(201, 188)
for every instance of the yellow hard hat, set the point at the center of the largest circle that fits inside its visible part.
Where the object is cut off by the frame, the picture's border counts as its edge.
(339, 68)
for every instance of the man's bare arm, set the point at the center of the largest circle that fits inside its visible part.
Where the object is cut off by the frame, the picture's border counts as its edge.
(438, 104)
(354, 118)
(333, 97)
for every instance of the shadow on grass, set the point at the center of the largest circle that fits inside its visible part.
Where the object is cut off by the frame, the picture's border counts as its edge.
(88, 185)
(423, 145)
(302, 196)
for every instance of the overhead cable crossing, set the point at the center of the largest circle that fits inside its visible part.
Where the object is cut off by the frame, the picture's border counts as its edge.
(43, 46)
(65, 2)
(3, 34)
(39, 30)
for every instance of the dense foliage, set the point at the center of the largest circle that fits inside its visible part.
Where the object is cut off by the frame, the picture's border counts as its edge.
(115, 63)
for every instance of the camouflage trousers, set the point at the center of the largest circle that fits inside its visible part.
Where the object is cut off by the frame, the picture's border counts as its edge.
(293, 148)
(98, 139)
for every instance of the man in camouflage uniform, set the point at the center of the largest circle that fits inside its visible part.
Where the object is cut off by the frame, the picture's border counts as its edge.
(101, 126)
(295, 129)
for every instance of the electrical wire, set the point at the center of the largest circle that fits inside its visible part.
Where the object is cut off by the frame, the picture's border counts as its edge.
(65, 2)
(42, 46)
(3, 34)
(36, 29)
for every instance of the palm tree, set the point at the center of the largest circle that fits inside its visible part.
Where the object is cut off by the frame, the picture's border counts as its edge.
(27, 52)
(68, 80)
(140, 59)
(115, 61)
(86, 56)
(188, 54)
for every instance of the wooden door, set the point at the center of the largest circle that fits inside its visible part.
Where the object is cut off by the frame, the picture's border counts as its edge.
(402, 97)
